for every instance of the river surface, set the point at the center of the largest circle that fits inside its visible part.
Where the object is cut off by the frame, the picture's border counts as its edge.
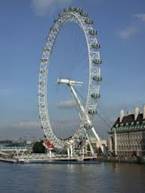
(95, 178)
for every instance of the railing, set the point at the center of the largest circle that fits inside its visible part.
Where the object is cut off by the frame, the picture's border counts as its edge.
(4, 149)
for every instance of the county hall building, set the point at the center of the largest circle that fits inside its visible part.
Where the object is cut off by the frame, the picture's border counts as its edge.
(127, 135)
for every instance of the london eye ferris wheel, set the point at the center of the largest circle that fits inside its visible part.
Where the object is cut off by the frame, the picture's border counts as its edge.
(87, 111)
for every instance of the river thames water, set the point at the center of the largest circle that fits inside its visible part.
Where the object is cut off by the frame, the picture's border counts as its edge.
(95, 178)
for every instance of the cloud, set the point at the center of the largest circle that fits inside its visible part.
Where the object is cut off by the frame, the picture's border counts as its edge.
(67, 104)
(140, 16)
(17, 129)
(133, 29)
(65, 128)
(65, 123)
(41, 7)
(27, 124)
(128, 32)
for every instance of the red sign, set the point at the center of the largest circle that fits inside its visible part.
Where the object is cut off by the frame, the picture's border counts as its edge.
(47, 144)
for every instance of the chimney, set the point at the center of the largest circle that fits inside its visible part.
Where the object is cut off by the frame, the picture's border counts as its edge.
(121, 115)
(144, 112)
(136, 112)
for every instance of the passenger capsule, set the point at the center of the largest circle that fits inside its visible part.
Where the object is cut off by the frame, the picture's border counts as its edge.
(71, 9)
(95, 46)
(46, 49)
(95, 95)
(42, 106)
(41, 82)
(92, 111)
(92, 32)
(85, 14)
(43, 60)
(97, 78)
(41, 95)
(97, 61)
(88, 21)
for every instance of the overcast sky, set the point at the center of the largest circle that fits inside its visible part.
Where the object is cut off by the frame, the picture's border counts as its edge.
(24, 26)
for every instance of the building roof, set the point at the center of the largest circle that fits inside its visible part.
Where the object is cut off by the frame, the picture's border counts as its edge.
(129, 119)
(129, 123)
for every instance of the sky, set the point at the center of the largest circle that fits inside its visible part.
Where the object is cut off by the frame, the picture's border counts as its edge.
(24, 26)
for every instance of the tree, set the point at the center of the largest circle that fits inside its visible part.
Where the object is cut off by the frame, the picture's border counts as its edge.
(38, 147)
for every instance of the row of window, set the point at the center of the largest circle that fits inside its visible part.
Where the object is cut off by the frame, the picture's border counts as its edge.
(131, 124)
(129, 128)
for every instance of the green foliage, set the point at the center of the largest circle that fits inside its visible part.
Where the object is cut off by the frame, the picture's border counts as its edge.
(38, 147)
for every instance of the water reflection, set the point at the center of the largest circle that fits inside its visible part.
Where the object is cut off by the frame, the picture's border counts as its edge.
(98, 178)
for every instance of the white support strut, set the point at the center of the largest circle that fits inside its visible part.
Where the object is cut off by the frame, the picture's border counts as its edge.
(71, 84)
